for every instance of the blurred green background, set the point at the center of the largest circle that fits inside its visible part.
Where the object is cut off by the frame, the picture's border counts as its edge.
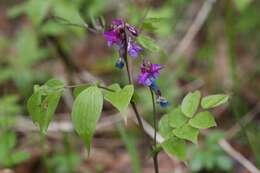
(210, 45)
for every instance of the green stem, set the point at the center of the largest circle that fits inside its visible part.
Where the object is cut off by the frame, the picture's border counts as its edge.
(155, 157)
(138, 117)
(45, 154)
(67, 152)
(99, 86)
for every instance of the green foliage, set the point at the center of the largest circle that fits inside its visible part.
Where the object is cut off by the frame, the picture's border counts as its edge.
(131, 147)
(175, 146)
(164, 127)
(86, 112)
(187, 132)
(44, 101)
(242, 4)
(190, 103)
(177, 118)
(59, 162)
(9, 157)
(203, 120)
(120, 98)
(9, 107)
(210, 156)
(79, 89)
(152, 24)
(180, 123)
(213, 101)
(171, 145)
(148, 43)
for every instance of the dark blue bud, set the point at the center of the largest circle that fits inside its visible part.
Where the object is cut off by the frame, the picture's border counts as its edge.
(162, 102)
(120, 63)
(153, 85)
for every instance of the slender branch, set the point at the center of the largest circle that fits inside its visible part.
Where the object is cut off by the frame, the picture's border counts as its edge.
(64, 21)
(193, 30)
(155, 158)
(106, 88)
(237, 156)
(99, 86)
(126, 59)
(133, 103)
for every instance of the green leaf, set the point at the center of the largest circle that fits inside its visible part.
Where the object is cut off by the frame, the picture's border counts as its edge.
(131, 146)
(86, 112)
(164, 127)
(121, 98)
(79, 89)
(54, 84)
(42, 111)
(152, 23)
(203, 120)
(224, 163)
(148, 43)
(19, 157)
(37, 10)
(7, 143)
(196, 163)
(190, 103)
(213, 101)
(175, 147)
(44, 101)
(187, 132)
(242, 4)
(177, 118)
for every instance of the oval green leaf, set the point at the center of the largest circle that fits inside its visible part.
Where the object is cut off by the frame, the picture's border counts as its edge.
(121, 98)
(86, 112)
(190, 103)
(203, 120)
(164, 127)
(177, 118)
(213, 101)
(187, 132)
(148, 43)
(42, 107)
(176, 147)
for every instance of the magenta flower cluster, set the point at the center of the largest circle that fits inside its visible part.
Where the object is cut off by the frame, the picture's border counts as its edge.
(149, 73)
(122, 36)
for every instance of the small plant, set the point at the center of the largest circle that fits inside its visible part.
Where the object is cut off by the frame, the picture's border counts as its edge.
(180, 124)
(210, 156)
(9, 156)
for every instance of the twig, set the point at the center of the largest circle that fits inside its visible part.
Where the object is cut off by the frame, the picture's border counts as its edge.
(237, 156)
(193, 30)
(155, 158)
(246, 119)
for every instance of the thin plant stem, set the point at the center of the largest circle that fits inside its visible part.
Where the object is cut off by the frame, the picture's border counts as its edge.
(45, 154)
(106, 88)
(67, 149)
(99, 86)
(134, 105)
(155, 158)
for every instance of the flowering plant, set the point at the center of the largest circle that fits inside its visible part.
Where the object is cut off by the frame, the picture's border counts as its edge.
(179, 125)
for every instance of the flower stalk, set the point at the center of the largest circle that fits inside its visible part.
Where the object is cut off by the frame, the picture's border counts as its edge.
(155, 157)
(122, 36)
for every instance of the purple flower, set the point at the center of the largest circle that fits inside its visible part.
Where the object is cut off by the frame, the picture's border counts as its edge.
(132, 29)
(118, 22)
(113, 37)
(149, 73)
(121, 35)
(134, 49)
